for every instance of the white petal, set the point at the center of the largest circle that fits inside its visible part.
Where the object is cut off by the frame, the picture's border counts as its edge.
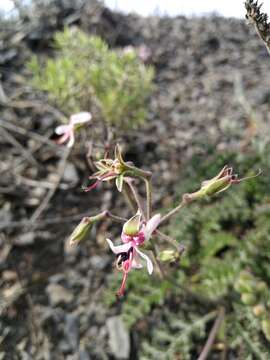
(151, 226)
(136, 264)
(71, 140)
(80, 118)
(147, 259)
(62, 129)
(119, 248)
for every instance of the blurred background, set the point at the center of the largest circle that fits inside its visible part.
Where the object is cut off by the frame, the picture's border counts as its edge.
(185, 88)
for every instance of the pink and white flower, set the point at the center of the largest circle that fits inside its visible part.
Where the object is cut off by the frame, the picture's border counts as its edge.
(66, 132)
(134, 234)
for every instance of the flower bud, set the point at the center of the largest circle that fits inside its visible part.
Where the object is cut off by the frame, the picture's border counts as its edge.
(80, 231)
(168, 255)
(248, 298)
(221, 182)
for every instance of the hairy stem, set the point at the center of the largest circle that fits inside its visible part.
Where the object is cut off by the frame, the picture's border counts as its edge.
(148, 187)
(157, 262)
(172, 212)
(129, 198)
(136, 196)
(168, 238)
(114, 217)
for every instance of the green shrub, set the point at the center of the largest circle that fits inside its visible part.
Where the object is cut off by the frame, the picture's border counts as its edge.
(86, 75)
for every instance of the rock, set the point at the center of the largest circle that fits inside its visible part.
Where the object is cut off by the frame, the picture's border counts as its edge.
(71, 330)
(99, 262)
(83, 355)
(25, 239)
(58, 294)
(119, 340)
(70, 174)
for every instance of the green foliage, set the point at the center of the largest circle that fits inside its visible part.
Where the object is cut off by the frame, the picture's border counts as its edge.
(227, 239)
(143, 293)
(175, 336)
(86, 75)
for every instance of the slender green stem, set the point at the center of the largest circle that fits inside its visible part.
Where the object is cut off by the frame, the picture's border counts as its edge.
(172, 212)
(168, 238)
(157, 262)
(134, 171)
(115, 217)
(148, 186)
(129, 198)
(136, 197)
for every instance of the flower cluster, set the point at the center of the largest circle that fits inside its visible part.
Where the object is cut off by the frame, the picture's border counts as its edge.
(138, 230)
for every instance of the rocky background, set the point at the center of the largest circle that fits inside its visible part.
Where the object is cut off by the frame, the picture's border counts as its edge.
(50, 298)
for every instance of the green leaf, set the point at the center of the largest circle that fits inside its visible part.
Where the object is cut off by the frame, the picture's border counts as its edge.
(119, 182)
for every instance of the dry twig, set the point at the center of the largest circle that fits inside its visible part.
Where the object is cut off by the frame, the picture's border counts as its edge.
(211, 338)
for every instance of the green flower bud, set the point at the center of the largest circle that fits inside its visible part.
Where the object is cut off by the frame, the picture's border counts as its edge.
(80, 231)
(221, 182)
(266, 328)
(168, 255)
(248, 299)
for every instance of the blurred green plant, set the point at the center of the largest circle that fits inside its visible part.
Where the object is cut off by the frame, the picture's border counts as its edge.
(86, 75)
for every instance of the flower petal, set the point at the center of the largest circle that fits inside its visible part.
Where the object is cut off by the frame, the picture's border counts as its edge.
(117, 249)
(80, 118)
(136, 264)
(147, 259)
(71, 140)
(151, 226)
(62, 129)
(63, 138)
(132, 226)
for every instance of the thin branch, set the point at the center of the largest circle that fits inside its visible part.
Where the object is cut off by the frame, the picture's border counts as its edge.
(28, 133)
(213, 333)
(54, 221)
(172, 212)
(26, 154)
(51, 192)
(115, 217)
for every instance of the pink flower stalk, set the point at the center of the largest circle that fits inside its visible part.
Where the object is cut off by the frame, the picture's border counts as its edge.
(134, 234)
(66, 132)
